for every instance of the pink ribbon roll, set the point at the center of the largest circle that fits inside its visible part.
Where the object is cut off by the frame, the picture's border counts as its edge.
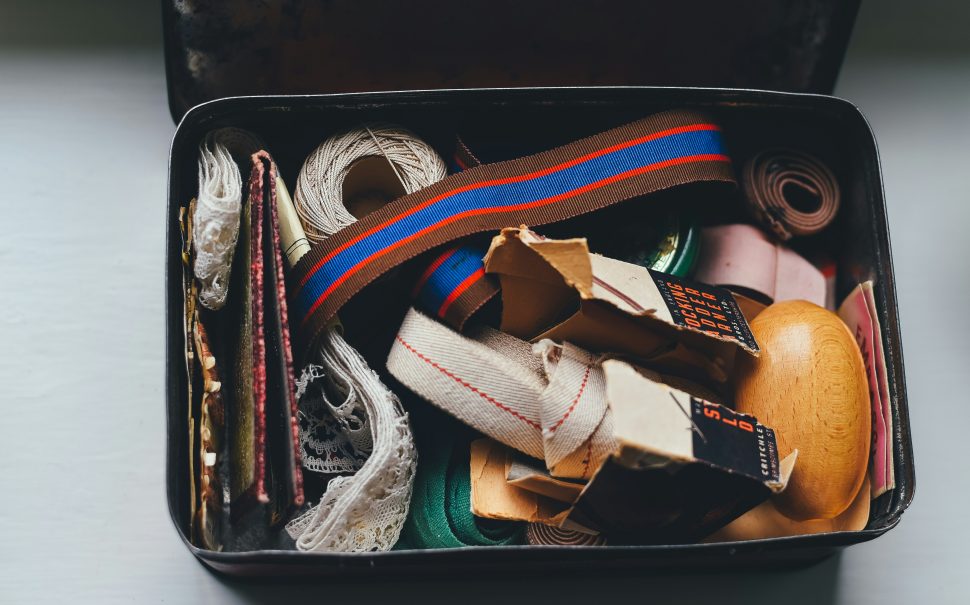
(742, 257)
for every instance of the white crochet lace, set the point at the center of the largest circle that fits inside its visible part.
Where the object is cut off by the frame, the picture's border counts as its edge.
(216, 216)
(364, 511)
(333, 438)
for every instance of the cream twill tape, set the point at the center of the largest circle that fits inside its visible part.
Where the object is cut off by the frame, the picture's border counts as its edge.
(545, 400)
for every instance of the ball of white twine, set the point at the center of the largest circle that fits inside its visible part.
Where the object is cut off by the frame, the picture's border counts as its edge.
(319, 188)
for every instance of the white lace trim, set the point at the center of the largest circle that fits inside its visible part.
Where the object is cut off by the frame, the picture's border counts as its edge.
(216, 217)
(365, 511)
(333, 438)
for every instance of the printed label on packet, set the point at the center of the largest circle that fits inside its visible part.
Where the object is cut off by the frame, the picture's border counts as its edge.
(705, 308)
(733, 440)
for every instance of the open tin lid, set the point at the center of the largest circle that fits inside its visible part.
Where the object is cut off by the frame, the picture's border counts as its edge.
(217, 49)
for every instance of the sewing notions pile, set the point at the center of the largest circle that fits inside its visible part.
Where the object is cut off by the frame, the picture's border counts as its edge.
(584, 346)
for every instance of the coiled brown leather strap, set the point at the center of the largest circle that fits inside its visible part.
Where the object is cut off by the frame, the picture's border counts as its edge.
(769, 178)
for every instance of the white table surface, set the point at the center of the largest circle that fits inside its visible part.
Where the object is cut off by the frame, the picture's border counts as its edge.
(84, 137)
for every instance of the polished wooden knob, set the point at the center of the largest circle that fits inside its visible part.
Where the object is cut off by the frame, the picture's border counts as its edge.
(809, 384)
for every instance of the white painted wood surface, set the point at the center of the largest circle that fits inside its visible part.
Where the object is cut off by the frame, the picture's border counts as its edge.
(83, 151)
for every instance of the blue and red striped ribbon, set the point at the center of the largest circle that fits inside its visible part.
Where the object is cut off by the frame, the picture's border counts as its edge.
(454, 286)
(663, 151)
(448, 277)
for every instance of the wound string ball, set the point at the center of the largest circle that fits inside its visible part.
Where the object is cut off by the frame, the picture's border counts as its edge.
(320, 188)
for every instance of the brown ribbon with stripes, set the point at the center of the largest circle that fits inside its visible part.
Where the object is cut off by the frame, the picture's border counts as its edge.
(663, 151)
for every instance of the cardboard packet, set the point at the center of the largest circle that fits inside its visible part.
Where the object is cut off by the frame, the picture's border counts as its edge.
(683, 467)
(494, 498)
(557, 289)
(532, 475)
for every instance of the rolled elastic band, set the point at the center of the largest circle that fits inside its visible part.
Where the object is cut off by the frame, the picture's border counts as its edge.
(768, 179)
(745, 259)
(540, 534)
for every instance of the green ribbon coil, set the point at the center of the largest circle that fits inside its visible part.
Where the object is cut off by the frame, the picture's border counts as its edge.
(441, 514)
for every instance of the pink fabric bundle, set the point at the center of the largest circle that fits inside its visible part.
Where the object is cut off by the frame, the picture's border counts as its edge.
(743, 257)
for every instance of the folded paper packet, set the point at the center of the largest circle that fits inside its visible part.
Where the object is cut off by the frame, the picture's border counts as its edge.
(265, 478)
(528, 474)
(682, 468)
(558, 290)
(493, 497)
(206, 419)
(858, 311)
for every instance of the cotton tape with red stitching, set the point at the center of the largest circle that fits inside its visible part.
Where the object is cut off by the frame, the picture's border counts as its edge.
(547, 400)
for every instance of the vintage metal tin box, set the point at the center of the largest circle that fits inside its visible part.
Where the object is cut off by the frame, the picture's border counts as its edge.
(297, 71)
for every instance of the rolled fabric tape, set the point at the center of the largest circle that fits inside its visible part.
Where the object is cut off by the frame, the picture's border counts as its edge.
(742, 257)
(441, 512)
(769, 180)
(545, 400)
(540, 534)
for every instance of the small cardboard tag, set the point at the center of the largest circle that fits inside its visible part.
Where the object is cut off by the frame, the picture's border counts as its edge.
(704, 308)
(531, 475)
(493, 498)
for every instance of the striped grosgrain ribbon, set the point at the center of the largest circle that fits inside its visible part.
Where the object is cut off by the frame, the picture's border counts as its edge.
(455, 286)
(662, 151)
